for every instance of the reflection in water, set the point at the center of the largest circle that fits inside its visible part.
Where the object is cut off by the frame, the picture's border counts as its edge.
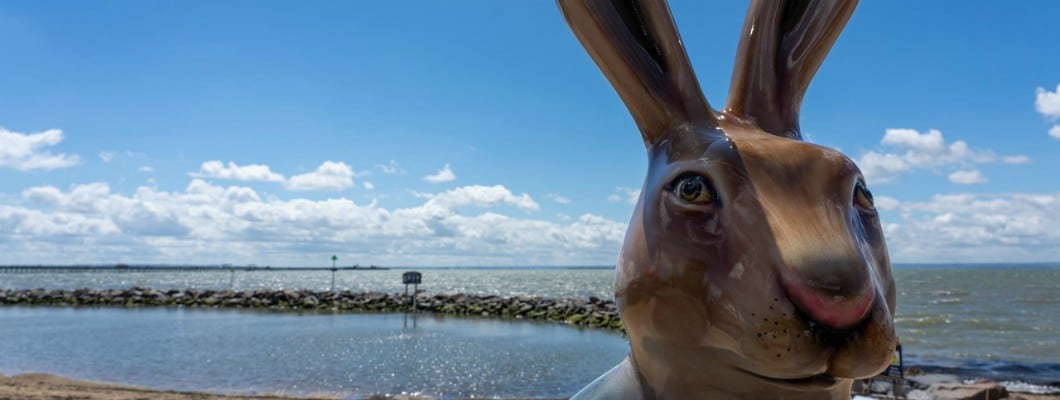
(406, 326)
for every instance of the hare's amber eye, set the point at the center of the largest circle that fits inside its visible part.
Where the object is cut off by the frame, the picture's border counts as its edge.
(863, 197)
(694, 189)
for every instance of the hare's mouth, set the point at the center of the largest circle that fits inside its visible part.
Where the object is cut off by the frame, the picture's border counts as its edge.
(814, 382)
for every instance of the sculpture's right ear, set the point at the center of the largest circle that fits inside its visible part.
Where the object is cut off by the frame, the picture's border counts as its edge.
(636, 45)
(782, 45)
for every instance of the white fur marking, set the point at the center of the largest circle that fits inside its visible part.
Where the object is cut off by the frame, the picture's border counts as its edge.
(737, 271)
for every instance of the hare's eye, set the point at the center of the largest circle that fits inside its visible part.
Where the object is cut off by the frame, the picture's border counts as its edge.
(694, 189)
(863, 197)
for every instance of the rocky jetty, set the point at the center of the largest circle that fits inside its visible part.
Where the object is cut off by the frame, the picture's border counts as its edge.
(592, 312)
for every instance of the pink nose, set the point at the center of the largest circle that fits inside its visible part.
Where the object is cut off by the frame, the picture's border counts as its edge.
(836, 307)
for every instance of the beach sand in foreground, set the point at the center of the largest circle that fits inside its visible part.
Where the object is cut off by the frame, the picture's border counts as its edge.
(44, 386)
(51, 387)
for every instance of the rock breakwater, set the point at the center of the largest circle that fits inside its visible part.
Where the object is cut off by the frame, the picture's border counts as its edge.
(592, 312)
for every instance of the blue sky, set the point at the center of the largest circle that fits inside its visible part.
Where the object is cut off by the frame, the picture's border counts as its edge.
(477, 132)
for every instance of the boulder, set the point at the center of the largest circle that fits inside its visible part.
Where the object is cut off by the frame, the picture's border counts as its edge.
(924, 381)
(967, 391)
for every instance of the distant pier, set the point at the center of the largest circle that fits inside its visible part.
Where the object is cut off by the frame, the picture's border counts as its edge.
(36, 269)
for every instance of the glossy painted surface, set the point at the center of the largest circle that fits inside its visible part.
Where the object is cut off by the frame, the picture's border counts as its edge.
(780, 285)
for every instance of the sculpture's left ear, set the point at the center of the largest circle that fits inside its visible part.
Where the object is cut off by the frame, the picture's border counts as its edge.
(782, 45)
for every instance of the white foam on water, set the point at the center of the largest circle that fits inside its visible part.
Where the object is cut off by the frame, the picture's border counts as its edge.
(1024, 387)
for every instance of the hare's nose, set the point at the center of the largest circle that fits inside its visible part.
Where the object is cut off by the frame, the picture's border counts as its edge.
(835, 292)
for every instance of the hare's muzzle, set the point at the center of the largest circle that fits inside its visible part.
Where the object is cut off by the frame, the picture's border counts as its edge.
(835, 294)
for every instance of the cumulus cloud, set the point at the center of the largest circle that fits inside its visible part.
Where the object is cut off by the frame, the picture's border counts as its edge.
(479, 196)
(208, 223)
(390, 168)
(147, 169)
(26, 152)
(557, 198)
(967, 177)
(1048, 103)
(106, 156)
(1005, 227)
(328, 176)
(253, 172)
(624, 193)
(368, 185)
(1016, 159)
(444, 175)
(907, 150)
(886, 203)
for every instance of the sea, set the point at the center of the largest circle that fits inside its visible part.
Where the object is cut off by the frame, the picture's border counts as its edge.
(1000, 322)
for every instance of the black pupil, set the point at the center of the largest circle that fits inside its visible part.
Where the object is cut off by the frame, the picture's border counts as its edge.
(691, 187)
(865, 192)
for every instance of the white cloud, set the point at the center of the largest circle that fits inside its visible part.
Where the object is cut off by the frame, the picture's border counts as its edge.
(1016, 159)
(1048, 103)
(27, 152)
(390, 168)
(207, 223)
(146, 169)
(1005, 227)
(328, 176)
(106, 156)
(1055, 132)
(444, 175)
(886, 203)
(624, 193)
(967, 177)
(908, 150)
(479, 196)
(253, 172)
(368, 185)
(558, 198)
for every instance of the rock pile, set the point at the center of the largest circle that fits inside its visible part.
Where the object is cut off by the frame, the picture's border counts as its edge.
(952, 387)
(592, 312)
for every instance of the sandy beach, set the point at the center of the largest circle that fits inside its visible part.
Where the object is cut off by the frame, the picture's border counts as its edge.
(45, 386)
(51, 387)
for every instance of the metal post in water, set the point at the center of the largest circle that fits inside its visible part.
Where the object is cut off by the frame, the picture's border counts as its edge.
(333, 269)
(231, 278)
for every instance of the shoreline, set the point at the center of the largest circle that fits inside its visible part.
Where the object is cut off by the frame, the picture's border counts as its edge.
(44, 386)
(40, 386)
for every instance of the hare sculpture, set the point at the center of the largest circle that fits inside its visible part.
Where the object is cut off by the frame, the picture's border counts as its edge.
(754, 265)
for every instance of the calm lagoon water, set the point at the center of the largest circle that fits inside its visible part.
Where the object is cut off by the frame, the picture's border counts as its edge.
(231, 351)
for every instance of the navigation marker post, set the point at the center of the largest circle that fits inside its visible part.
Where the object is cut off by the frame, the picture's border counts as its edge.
(412, 278)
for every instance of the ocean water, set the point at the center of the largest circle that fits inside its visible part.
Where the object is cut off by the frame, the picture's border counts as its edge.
(550, 282)
(995, 321)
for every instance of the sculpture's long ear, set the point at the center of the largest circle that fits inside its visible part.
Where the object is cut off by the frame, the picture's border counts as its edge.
(636, 45)
(782, 45)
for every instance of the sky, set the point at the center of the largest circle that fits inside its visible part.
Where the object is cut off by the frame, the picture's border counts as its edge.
(477, 133)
